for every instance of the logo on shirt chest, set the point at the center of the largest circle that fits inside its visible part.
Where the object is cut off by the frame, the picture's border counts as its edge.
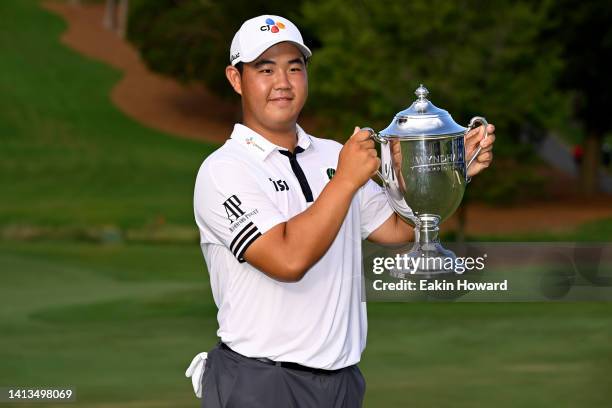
(232, 208)
(279, 185)
(328, 173)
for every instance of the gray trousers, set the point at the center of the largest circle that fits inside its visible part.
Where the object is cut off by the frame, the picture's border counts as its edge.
(234, 381)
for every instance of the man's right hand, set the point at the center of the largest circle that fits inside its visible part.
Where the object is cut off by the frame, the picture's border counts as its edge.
(358, 160)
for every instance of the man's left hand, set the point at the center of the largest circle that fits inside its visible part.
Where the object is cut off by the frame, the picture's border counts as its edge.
(475, 138)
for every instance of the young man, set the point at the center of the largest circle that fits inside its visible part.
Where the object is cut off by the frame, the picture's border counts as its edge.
(282, 238)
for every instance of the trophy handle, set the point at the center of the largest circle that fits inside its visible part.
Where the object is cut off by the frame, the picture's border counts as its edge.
(474, 123)
(377, 138)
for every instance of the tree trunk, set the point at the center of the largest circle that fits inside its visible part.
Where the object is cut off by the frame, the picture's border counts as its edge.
(110, 15)
(591, 161)
(124, 7)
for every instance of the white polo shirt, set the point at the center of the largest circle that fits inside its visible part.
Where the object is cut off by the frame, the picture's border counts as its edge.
(243, 189)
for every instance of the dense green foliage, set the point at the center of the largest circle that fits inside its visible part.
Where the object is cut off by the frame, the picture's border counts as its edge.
(369, 58)
(583, 30)
(473, 60)
(189, 39)
(584, 33)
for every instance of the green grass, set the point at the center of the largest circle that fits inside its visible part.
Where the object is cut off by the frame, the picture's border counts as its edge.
(600, 230)
(592, 231)
(69, 157)
(121, 323)
(118, 323)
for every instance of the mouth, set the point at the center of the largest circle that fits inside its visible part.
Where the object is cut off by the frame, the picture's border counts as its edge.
(281, 99)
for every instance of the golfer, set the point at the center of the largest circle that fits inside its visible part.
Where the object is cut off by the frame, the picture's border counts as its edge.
(281, 215)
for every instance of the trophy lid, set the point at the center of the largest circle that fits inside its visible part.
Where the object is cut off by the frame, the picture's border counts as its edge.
(422, 120)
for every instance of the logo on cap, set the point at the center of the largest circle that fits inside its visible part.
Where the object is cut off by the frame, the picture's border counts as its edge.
(272, 26)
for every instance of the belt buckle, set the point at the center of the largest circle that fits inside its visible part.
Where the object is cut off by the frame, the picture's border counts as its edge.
(266, 360)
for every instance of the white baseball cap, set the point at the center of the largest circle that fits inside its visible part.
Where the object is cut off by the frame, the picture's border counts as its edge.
(260, 33)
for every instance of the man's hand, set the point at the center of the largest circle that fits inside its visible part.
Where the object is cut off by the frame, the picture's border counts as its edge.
(358, 160)
(474, 139)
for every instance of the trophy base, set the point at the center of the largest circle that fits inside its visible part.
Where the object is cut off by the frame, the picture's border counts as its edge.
(427, 258)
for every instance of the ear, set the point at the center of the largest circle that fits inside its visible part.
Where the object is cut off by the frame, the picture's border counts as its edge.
(233, 76)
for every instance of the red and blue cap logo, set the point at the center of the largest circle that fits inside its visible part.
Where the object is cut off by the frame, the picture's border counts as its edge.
(271, 25)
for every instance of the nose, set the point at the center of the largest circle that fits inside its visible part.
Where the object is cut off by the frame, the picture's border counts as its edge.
(282, 80)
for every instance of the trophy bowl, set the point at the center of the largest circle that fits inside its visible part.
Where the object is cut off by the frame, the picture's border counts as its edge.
(424, 174)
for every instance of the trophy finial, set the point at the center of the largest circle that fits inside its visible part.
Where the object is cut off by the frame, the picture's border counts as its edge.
(421, 92)
(422, 103)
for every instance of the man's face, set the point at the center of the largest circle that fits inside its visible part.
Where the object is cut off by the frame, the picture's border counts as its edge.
(274, 87)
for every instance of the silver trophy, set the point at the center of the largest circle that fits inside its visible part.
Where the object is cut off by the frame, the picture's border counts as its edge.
(424, 174)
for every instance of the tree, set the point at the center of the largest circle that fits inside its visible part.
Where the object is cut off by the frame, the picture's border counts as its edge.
(475, 61)
(585, 34)
(370, 56)
(189, 39)
(483, 60)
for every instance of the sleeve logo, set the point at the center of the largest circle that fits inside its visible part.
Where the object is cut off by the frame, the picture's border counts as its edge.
(232, 209)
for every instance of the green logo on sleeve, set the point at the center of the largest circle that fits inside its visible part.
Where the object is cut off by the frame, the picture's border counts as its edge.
(330, 172)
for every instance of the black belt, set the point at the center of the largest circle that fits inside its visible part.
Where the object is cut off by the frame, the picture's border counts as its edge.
(284, 364)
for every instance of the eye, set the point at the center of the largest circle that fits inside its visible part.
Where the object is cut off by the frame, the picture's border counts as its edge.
(265, 71)
(295, 69)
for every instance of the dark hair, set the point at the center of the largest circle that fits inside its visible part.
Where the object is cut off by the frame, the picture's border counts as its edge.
(240, 65)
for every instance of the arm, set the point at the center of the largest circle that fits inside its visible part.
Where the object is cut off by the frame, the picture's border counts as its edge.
(394, 231)
(289, 249)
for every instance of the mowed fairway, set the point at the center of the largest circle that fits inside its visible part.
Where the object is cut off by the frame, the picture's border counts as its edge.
(118, 323)
(121, 322)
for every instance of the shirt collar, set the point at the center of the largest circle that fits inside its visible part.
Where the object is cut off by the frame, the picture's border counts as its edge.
(304, 140)
(262, 147)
